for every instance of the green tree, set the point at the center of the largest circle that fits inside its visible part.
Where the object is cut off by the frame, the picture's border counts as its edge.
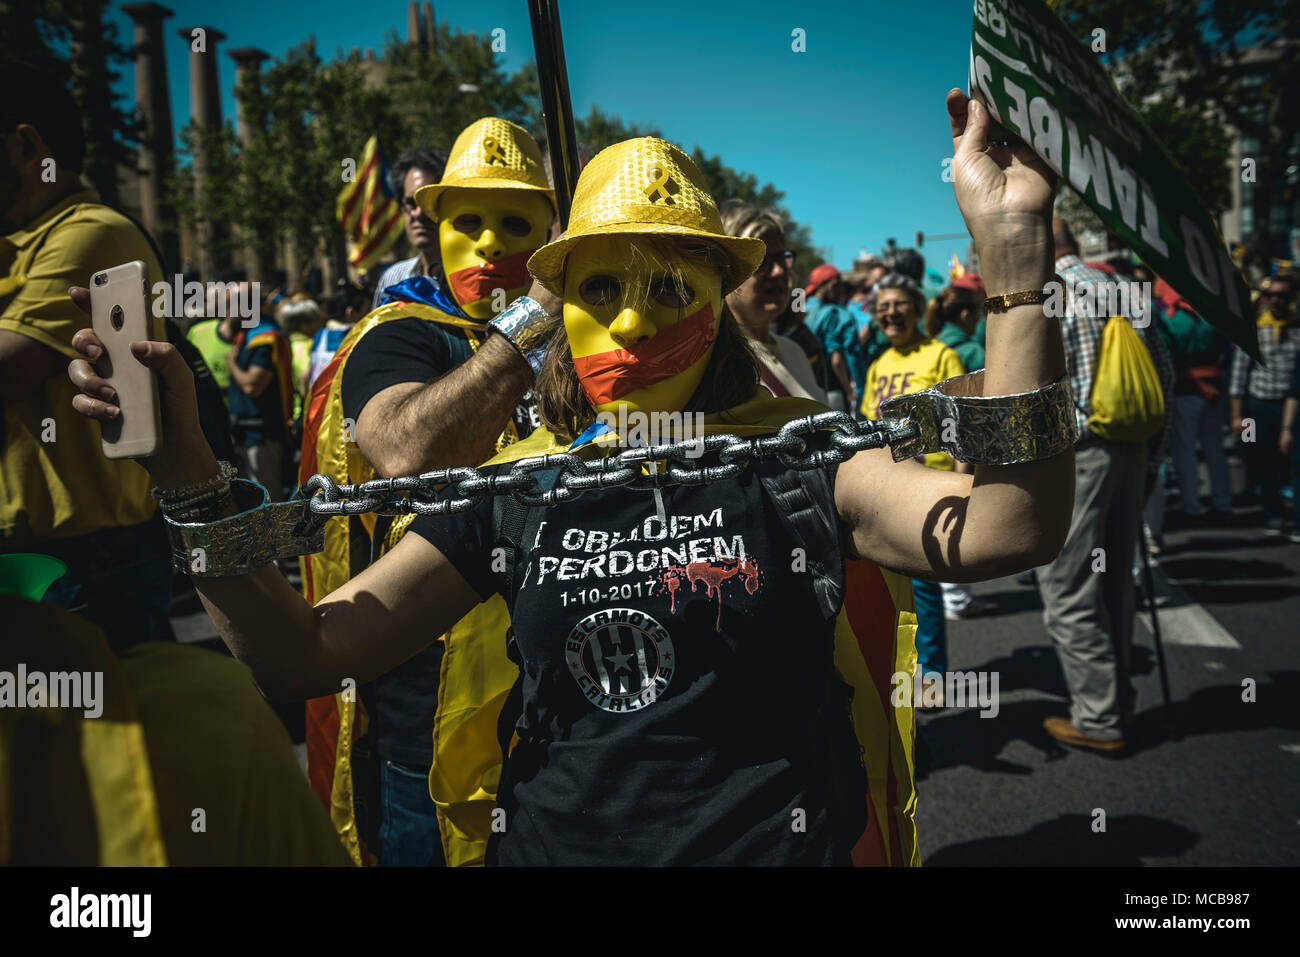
(71, 40)
(438, 94)
(308, 117)
(1191, 65)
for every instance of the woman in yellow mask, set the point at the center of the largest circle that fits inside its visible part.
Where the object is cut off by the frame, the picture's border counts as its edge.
(679, 703)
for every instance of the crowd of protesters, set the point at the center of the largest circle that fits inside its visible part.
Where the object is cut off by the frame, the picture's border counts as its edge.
(851, 341)
(1218, 401)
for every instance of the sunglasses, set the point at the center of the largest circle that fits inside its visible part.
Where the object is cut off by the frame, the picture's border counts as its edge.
(771, 259)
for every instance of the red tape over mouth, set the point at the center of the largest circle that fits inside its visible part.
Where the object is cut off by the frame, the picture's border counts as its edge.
(607, 376)
(478, 282)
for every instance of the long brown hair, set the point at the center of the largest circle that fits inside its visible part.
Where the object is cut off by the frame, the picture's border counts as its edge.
(730, 378)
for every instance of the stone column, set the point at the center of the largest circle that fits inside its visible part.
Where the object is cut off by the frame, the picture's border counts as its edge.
(413, 24)
(153, 103)
(248, 66)
(205, 112)
(248, 60)
(90, 87)
(430, 29)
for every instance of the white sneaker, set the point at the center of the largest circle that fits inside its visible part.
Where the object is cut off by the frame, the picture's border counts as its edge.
(974, 608)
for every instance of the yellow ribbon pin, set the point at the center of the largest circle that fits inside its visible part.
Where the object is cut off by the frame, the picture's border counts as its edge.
(495, 155)
(662, 188)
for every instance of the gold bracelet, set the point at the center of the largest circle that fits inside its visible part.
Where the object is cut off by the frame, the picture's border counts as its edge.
(1027, 297)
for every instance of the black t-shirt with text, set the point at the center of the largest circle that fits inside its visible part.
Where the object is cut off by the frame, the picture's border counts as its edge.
(397, 351)
(673, 670)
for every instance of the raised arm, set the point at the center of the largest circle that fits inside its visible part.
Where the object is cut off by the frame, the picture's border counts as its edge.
(954, 527)
(367, 627)
(415, 427)
(455, 419)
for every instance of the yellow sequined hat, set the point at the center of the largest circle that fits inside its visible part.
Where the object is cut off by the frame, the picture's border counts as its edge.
(490, 153)
(645, 186)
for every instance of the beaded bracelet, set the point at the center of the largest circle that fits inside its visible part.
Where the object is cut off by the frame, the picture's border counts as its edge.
(216, 504)
(177, 497)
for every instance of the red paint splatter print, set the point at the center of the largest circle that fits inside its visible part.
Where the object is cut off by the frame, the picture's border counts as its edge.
(712, 573)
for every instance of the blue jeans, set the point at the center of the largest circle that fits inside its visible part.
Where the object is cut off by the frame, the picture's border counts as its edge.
(408, 826)
(931, 632)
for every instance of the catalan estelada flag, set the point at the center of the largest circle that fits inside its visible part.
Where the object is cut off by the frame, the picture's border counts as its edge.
(368, 211)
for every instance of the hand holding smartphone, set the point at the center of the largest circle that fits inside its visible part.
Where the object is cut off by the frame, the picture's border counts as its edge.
(120, 315)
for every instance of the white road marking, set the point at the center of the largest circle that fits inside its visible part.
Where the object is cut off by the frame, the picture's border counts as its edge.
(1290, 748)
(1182, 620)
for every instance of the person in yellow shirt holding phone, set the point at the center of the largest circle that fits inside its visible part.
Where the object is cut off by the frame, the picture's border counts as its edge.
(912, 363)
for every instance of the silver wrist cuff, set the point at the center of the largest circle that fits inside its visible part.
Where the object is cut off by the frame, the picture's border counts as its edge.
(517, 323)
(242, 543)
(955, 417)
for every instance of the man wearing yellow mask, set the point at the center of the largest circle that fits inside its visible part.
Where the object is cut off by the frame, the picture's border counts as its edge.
(417, 385)
(681, 698)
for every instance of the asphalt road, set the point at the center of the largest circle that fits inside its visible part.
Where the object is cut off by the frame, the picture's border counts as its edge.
(1212, 780)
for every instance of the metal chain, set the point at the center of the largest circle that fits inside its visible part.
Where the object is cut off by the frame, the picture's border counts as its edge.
(806, 443)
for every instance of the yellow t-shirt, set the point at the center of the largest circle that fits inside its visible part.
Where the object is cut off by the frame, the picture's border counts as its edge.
(899, 372)
(54, 479)
(180, 731)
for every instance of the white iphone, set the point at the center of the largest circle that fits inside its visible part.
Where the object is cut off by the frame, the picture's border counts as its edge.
(120, 315)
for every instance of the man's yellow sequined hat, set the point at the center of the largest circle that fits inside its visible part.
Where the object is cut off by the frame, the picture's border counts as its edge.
(490, 153)
(645, 186)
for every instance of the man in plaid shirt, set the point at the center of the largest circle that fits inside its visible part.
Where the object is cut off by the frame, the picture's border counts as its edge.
(1256, 392)
(1088, 606)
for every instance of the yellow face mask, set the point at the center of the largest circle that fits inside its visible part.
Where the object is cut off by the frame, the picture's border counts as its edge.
(486, 237)
(640, 339)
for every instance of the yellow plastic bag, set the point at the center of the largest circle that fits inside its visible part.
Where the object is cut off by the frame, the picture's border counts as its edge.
(1128, 404)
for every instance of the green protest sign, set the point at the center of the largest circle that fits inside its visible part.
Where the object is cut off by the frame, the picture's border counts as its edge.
(1046, 87)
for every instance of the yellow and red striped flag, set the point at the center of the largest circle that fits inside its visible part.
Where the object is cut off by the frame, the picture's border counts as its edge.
(368, 211)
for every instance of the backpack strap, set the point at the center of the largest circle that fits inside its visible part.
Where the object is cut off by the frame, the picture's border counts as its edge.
(509, 518)
(806, 505)
(513, 523)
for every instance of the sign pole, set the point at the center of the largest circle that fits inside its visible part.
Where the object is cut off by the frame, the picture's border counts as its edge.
(553, 78)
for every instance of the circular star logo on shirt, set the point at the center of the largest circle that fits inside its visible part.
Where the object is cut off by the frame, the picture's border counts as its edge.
(621, 658)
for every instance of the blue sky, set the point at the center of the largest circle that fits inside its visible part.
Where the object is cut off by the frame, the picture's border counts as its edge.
(853, 130)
